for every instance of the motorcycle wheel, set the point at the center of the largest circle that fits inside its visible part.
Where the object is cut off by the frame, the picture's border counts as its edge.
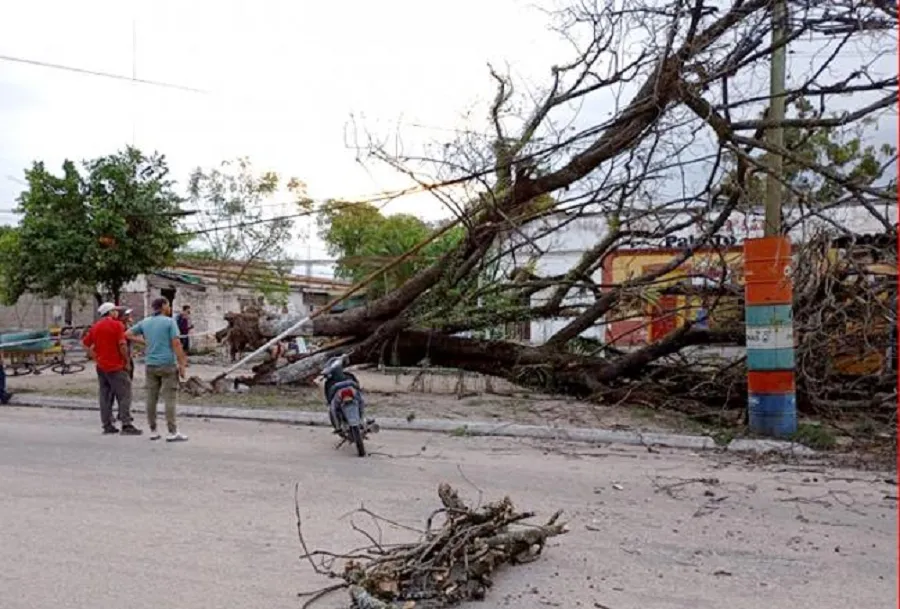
(357, 437)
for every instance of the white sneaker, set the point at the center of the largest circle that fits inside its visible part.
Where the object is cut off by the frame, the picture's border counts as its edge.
(154, 435)
(176, 437)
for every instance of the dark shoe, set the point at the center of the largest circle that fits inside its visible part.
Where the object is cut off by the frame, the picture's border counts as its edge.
(5, 399)
(110, 429)
(131, 430)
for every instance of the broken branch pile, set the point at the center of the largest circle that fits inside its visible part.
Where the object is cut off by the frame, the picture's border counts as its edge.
(449, 564)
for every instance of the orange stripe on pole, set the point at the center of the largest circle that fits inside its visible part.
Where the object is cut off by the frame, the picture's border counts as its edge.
(774, 381)
(768, 293)
(767, 271)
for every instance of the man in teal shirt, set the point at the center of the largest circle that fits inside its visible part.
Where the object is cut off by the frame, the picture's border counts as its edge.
(165, 363)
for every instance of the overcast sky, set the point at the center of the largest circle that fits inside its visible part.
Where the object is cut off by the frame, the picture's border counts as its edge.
(282, 78)
(278, 80)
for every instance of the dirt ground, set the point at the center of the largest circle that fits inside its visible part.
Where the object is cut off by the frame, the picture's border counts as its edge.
(402, 394)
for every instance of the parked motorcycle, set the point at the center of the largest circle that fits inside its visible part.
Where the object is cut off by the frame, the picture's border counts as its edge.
(346, 406)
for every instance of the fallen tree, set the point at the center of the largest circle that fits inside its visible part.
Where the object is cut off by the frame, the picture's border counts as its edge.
(841, 318)
(693, 107)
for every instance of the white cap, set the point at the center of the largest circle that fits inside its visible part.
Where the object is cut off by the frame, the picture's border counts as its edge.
(105, 308)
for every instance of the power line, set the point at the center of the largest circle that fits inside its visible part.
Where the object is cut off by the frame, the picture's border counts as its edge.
(85, 71)
(339, 206)
(157, 83)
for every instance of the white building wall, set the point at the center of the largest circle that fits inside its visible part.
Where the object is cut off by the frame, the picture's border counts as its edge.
(564, 247)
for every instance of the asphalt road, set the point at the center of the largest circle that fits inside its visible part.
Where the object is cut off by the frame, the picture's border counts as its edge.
(88, 521)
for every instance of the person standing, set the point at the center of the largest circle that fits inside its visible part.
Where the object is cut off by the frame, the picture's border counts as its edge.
(106, 345)
(128, 321)
(165, 362)
(184, 327)
(5, 396)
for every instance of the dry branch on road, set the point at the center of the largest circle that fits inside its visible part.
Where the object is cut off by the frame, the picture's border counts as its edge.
(453, 560)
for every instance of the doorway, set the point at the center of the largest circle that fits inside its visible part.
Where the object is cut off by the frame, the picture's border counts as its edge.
(169, 294)
(662, 317)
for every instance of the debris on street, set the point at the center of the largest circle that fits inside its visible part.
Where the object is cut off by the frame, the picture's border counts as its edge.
(452, 562)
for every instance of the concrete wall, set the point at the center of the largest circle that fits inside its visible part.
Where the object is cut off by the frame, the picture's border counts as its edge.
(33, 312)
(209, 306)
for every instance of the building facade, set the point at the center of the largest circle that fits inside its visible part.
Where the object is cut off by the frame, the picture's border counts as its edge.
(209, 291)
(665, 309)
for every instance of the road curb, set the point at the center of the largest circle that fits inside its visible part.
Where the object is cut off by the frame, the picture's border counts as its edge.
(454, 427)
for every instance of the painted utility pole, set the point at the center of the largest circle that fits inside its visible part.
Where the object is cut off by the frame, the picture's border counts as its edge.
(768, 290)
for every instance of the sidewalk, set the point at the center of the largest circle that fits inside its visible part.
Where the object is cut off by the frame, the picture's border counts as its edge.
(454, 427)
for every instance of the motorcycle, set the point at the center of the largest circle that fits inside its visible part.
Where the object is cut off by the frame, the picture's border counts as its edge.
(346, 406)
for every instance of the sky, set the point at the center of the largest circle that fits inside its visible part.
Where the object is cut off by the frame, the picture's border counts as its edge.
(277, 81)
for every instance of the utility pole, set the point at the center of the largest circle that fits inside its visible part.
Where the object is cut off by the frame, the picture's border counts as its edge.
(775, 135)
(768, 287)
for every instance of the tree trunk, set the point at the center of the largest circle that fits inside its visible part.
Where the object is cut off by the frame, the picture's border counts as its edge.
(543, 368)
(302, 371)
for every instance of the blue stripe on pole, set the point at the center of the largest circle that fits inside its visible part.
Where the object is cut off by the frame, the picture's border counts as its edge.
(773, 414)
(768, 315)
(770, 359)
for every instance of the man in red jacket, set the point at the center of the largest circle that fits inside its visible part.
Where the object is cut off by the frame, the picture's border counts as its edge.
(106, 345)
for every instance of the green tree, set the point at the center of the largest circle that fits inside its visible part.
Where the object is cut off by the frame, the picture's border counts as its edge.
(833, 147)
(236, 233)
(92, 233)
(11, 279)
(363, 240)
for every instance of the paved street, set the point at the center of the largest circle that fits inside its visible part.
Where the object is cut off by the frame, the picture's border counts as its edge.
(88, 521)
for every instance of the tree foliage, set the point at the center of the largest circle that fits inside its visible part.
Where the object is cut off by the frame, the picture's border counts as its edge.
(824, 142)
(363, 240)
(92, 231)
(237, 231)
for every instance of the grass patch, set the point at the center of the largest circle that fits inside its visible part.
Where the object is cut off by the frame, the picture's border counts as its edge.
(815, 436)
(70, 392)
(642, 412)
(255, 400)
(723, 436)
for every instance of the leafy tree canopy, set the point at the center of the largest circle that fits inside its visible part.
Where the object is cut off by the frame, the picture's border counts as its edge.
(237, 228)
(98, 228)
(837, 148)
(363, 240)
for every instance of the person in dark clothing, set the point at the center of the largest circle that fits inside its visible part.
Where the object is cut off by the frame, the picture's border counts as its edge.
(184, 327)
(4, 394)
(128, 320)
